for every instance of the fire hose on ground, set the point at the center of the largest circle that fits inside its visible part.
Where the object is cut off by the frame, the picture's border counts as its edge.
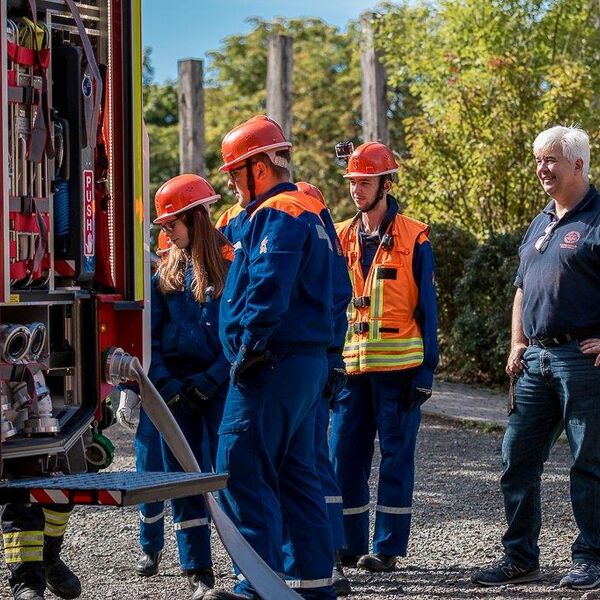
(120, 367)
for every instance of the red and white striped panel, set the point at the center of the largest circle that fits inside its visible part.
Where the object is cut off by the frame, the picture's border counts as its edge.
(110, 497)
(64, 268)
(48, 496)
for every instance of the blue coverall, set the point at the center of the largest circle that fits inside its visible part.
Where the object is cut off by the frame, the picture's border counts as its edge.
(279, 297)
(372, 403)
(342, 291)
(185, 343)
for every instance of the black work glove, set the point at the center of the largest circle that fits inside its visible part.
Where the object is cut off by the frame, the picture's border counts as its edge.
(417, 390)
(337, 375)
(201, 386)
(246, 360)
(175, 397)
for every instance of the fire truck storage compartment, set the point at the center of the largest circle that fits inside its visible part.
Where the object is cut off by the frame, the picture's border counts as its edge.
(56, 175)
(73, 204)
(58, 380)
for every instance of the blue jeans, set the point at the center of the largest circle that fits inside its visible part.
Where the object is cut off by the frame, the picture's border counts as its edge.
(559, 388)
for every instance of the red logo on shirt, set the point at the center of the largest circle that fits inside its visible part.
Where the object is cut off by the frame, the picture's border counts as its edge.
(570, 240)
(572, 237)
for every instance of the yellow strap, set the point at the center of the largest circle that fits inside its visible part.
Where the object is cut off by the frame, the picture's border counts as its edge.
(55, 517)
(22, 555)
(55, 530)
(22, 538)
(385, 345)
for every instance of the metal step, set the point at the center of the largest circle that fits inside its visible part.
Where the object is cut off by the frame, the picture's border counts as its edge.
(120, 488)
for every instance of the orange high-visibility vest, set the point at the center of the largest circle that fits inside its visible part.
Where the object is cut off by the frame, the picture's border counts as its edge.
(383, 333)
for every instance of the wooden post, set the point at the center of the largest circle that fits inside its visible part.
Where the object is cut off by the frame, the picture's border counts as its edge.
(191, 117)
(374, 88)
(279, 82)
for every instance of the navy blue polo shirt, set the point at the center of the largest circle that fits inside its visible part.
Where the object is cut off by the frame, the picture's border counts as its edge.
(561, 285)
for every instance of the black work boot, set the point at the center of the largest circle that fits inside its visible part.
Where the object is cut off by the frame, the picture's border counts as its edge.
(349, 560)
(340, 582)
(377, 562)
(200, 581)
(27, 593)
(61, 581)
(27, 580)
(148, 564)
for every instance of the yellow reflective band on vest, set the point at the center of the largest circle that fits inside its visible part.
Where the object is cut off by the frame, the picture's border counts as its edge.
(23, 546)
(389, 338)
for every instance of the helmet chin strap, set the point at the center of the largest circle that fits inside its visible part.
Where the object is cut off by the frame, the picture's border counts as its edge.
(250, 183)
(378, 196)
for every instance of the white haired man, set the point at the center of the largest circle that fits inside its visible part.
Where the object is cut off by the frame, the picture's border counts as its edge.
(554, 358)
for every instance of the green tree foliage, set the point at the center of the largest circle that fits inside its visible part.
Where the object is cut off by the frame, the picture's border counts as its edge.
(453, 247)
(481, 332)
(160, 116)
(326, 87)
(487, 76)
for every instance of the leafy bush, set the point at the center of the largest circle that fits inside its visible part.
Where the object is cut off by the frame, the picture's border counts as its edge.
(452, 246)
(480, 336)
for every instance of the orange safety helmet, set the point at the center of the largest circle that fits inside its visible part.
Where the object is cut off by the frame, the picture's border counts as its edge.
(258, 134)
(180, 194)
(371, 159)
(163, 244)
(311, 190)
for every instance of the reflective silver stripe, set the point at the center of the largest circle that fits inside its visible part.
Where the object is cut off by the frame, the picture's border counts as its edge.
(308, 583)
(333, 499)
(394, 510)
(190, 523)
(356, 511)
(150, 520)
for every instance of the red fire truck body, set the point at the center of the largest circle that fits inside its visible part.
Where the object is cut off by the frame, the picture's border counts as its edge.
(73, 257)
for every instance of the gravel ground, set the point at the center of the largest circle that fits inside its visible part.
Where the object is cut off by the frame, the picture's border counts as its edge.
(457, 525)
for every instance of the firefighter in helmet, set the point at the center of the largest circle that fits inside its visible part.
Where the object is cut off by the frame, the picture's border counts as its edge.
(276, 327)
(188, 367)
(391, 353)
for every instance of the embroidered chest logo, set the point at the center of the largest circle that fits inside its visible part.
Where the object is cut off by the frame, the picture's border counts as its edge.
(263, 245)
(570, 240)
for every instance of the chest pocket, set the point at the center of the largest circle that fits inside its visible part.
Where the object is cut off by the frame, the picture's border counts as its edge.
(393, 293)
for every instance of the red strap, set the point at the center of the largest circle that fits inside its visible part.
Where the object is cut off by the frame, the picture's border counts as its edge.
(20, 54)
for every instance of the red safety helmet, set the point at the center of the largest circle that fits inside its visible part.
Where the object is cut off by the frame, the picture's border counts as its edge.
(371, 160)
(180, 194)
(311, 190)
(163, 244)
(258, 134)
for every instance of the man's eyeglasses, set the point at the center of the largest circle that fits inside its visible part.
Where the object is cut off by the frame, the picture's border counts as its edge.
(543, 241)
(235, 173)
(168, 226)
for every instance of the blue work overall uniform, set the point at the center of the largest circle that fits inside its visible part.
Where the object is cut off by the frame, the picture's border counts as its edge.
(278, 297)
(148, 458)
(185, 343)
(373, 401)
(229, 223)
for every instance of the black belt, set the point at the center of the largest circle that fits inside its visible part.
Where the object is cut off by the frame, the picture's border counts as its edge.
(565, 338)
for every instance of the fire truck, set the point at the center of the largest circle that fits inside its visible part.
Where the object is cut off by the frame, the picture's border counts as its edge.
(73, 230)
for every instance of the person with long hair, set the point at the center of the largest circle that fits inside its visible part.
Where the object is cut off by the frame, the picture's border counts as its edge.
(188, 367)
